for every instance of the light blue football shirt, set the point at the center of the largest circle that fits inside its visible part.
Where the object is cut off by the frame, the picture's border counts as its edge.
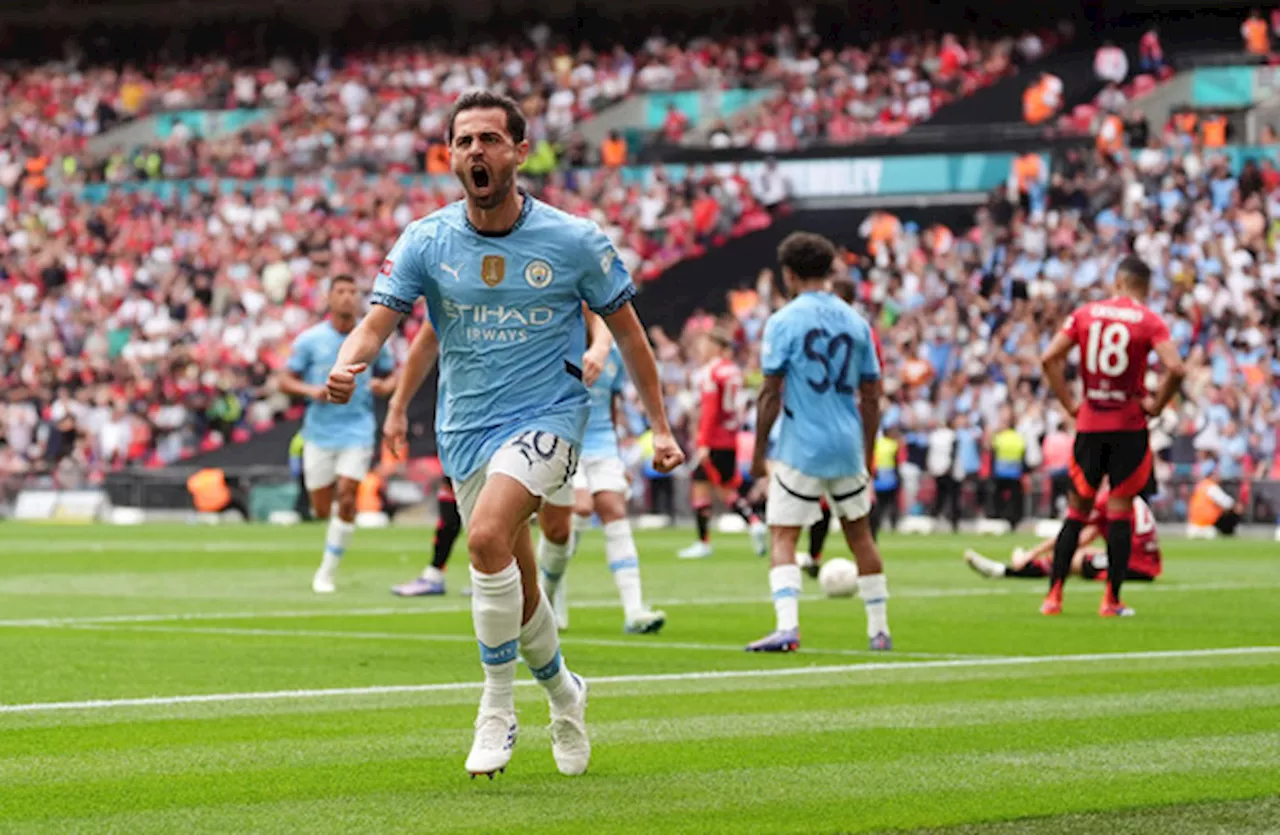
(824, 351)
(601, 439)
(508, 311)
(333, 425)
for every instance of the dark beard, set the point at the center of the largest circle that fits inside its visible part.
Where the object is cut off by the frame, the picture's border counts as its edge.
(495, 198)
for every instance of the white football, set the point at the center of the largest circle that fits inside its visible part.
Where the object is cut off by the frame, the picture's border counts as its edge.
(838, 577)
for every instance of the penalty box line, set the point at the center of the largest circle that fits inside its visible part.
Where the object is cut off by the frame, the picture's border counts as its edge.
(709, 675)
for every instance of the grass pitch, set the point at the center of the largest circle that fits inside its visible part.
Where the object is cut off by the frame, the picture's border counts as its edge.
(166, 679)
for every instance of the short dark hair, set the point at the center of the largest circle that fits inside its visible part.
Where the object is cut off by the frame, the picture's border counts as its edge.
(484, 100)
(1134, 271)
(809, 256)
(844, 288)
(344, 278)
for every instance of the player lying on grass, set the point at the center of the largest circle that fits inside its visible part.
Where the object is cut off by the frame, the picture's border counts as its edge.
(1089, 561)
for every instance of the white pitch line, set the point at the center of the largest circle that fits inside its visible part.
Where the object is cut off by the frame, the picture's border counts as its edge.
(1014, 589)
(707, 675)
(568, 640)
(164, 546)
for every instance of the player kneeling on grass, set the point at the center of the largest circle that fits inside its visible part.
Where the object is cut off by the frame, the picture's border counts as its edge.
(1089, 561)
(817, 353)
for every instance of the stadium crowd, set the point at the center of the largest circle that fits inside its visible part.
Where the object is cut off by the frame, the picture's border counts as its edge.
(143, 329)
(841, 94)
(382, 111)
(964, 318)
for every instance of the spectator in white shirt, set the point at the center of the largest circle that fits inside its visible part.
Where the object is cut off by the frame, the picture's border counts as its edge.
(1111, 64)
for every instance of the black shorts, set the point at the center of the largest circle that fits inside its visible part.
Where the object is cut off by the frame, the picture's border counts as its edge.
(1123, 458)
(720, 469)
(1091, 571)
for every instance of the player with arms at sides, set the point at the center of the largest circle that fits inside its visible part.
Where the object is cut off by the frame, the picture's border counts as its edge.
(600, 486)
(337, 435)
(1089, 561)
(823, 379)
(1114, 337)
(719, 381)
(505, 276)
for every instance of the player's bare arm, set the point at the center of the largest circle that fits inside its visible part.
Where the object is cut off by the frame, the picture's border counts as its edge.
(1174, 372)
(1054, 363)
(768, 407)
(599, 342)
(869, 409)
(638, 357)
(385, 386)
(422, 356)
(359, 349)
(294, 386)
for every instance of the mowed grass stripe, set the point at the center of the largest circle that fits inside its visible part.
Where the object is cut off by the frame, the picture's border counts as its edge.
(42, 733)
(443, 742)
(695, 788)
(852, 669)
(115, 586)
(1241, 817)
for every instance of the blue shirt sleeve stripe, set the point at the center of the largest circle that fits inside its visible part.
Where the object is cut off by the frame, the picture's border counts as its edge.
(397, 304)
(619, 301)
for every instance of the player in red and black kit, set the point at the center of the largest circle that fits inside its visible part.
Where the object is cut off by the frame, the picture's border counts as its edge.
(1114, 336)
(1089, 561)
(717, 473)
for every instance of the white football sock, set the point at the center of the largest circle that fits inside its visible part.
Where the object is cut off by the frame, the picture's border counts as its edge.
(874, 591)
(579, 525)
(540, 649)
(553, 559)
(335, 543)
(784, 582)
(624, 564)
(496, 606)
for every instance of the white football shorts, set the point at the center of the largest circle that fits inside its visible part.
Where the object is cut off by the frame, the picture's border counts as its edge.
(541, 461)
(795, 498)
(321, 467)
(602, 475)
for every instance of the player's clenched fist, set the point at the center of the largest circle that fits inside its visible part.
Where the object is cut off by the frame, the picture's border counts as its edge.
(667, 454)
(342, 382)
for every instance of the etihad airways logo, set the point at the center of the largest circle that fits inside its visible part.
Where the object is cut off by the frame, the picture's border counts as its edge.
(497, 322)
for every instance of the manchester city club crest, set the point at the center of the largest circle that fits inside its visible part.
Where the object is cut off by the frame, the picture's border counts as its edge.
(493, 269)
(538, 274)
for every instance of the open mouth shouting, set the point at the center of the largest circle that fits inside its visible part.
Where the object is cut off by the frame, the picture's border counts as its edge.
(480, 178)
